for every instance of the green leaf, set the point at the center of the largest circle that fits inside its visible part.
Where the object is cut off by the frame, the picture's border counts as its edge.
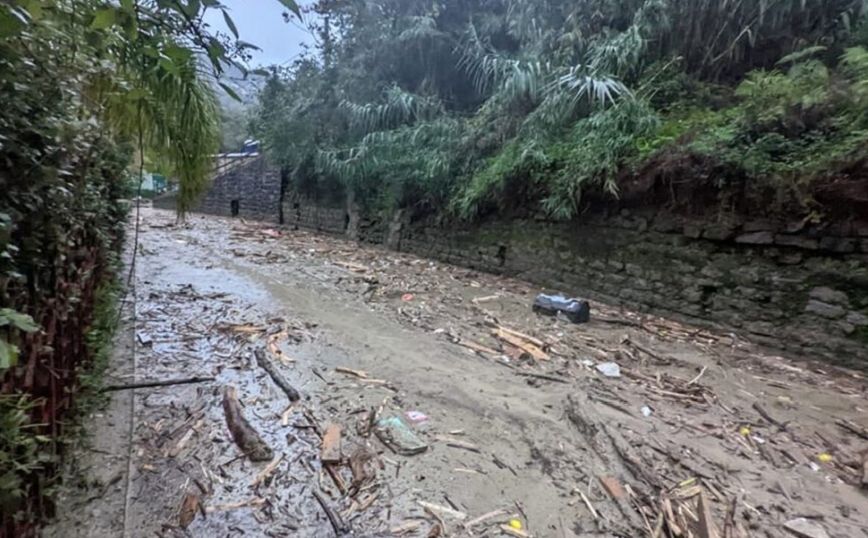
(22, 322)
(8, 355)
(292, 6)
(230, 23)
(230, 92)
(103, 18)
(11, 21)
(34, 8)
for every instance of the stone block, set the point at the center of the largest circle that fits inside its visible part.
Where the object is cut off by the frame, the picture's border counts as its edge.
(797, 241)
(829, 295)
(840, 245)
(825, 310)
(756, 238)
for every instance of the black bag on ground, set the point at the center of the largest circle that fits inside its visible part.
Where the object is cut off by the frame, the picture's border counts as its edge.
(575, 310)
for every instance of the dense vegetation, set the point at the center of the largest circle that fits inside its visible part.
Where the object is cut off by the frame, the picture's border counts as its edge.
(91, 91)
(480, 106)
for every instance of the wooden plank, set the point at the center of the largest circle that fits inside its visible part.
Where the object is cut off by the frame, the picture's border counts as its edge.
(534, 351)
(331, 444)
(479, 348)
(612, 486)
(526, 337)
(707, 528)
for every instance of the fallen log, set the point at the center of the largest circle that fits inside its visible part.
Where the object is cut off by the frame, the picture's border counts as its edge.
(276, 376)
(151, 384)
(247, 439)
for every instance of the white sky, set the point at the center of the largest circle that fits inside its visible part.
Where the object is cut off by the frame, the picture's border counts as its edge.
(260, 22)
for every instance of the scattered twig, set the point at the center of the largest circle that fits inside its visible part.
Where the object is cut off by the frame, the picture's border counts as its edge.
(543, 376)
(150, 384)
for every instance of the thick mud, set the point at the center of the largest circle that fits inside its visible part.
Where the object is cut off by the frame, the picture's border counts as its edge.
(701, 435)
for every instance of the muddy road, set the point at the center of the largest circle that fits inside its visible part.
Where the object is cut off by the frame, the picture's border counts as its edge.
(700, 434)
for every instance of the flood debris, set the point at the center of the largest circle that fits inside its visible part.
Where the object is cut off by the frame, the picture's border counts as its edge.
(805, 528)
(267, 471)
(276, 376)
(609, 369)
(334, 518)
(247, 438)
(394, 432)
(190, 505)
(330, 451)
(155, 384)
(522, 343)
(575, 310)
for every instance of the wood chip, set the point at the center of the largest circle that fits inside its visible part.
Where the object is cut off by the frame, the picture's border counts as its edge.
(189, 507)
(612, 486)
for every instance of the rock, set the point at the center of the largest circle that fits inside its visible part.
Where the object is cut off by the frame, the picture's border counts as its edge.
(756, 238)
(719, 232)
(609, 369)
(692, 231)
(857, 318)
(797, 241)
(825, 310)
(759, 226)
(829, 295)
(805, 528)
(838, 245)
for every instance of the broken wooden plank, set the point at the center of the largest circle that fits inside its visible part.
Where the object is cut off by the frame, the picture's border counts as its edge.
(707, 528)
(330, 452)
(276, 376)
(533, 350)
(612, 486)
(479, 348)
(247, 439)
(526, 337)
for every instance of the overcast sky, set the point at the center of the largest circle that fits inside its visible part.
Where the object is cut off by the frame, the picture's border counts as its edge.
(261, 22)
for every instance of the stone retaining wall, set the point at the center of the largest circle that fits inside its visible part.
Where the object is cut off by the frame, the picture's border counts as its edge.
(789, 285)
(252, 189)
(806, 291)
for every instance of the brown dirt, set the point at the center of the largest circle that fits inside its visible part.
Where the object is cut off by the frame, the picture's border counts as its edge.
(505, 432)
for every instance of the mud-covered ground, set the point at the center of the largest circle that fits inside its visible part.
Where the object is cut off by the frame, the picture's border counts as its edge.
(702, 434)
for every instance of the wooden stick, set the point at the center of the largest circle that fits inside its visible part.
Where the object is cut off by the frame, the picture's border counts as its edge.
(358, 373)
(543, 376)
(247, 439)
(150, 384)
(270, 468)
(337, 523)
(853, 427)
(276, 376)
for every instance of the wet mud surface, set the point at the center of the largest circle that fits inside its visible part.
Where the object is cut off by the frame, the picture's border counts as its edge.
(701, 434)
